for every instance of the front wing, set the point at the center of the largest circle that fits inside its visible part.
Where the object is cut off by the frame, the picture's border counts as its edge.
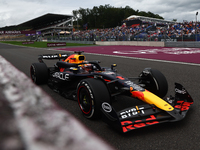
(146, 115)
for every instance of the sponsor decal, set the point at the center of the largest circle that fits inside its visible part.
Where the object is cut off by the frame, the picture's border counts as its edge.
(108, 72)
(54, 56)
(180, 91)
(169, 40)
(89, 112)
(17, 32)
(131, 125)
(30, 42)
(10, 32)
(56, 44)
(137, 94)
(61, 75)
(120, 77)
(182, 105)
(106, 107)
(88, 87)
(132, 112)
(50, 56)
(133, 86)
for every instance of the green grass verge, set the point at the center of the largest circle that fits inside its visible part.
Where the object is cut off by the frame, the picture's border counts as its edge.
(40, 44)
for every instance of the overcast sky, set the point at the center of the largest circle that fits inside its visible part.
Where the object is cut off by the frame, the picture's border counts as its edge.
(14, 12)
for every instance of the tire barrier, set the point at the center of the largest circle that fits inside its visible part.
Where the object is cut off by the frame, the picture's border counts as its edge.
(32, 121)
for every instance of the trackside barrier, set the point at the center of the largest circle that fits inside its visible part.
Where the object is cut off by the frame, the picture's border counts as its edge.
(192, 44)
(138, 43)
(132, 43)
(151, 43)
(39, 123)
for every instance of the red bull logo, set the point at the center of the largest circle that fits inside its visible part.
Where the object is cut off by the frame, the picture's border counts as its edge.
(150, 98)
(137, 94)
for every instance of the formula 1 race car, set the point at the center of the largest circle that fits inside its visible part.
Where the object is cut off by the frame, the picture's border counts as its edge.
(96, 89)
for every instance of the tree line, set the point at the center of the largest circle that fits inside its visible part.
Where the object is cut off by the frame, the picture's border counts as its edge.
(106, 16)
(98, 17)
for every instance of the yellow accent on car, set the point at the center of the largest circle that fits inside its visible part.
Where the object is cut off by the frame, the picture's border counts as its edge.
(75, 59)
(151, 98)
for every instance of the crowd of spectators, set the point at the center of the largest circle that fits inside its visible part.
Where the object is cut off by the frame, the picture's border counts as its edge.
(186, 29)
(146, 31)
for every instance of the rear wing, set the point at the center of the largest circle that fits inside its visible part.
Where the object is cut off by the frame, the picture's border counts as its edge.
(52, 56)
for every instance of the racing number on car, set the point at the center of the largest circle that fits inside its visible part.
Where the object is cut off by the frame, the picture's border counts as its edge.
(183, 105)
(133, 125)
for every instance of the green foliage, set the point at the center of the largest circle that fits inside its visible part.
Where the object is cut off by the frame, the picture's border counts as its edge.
(107, 16)
(99, 17)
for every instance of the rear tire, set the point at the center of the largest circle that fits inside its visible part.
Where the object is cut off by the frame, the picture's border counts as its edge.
(39, 73)
(154, 81)
(91, 93)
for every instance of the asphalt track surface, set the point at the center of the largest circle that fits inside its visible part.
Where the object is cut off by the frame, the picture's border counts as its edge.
(169, 136)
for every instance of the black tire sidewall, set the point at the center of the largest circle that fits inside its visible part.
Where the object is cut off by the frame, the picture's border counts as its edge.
(40, 73)
(98, 93)
(154, 81)
(161, 82)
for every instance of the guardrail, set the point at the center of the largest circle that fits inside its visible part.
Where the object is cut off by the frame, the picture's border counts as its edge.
(183, 44)
(32, 121)
(138, 43)
(133, 43)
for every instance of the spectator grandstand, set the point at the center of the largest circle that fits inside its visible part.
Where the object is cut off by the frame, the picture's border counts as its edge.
(139, 28)
(147, 31)
(48, 24)
(134, 28)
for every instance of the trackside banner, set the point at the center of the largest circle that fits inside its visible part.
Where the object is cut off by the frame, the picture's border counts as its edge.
(56, 44)
(30, 42)
(17, 32)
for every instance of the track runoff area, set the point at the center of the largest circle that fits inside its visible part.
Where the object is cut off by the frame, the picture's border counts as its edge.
(188, 56)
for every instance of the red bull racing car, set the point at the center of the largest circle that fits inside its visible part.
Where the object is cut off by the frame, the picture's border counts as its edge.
(96, 89)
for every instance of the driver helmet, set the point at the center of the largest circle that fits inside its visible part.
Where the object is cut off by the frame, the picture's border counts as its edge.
(87, 67)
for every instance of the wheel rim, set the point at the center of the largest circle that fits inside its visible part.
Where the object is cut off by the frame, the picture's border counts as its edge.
(84, 100)
(32, 72)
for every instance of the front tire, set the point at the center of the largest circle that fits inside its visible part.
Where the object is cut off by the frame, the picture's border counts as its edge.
(154, 81)
(39, 73)
(90, 95)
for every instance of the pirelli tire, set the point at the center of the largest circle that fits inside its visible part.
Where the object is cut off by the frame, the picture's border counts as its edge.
(39, 73)
(154, 81)
(91, 93)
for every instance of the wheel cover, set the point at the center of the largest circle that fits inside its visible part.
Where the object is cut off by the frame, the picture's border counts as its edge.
(84, 100)
(32, 72)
